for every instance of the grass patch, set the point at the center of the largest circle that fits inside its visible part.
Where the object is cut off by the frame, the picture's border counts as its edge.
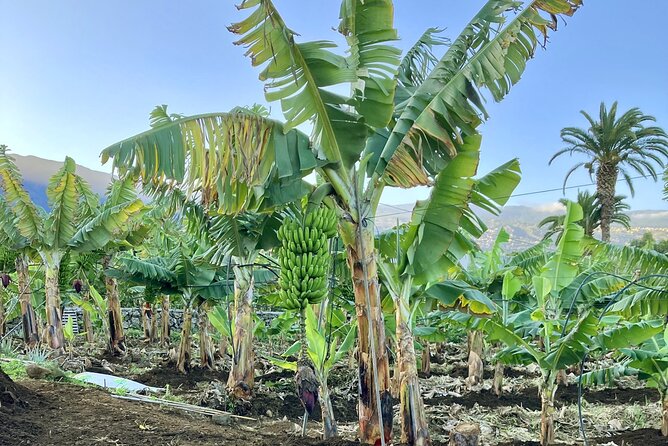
(16, 370)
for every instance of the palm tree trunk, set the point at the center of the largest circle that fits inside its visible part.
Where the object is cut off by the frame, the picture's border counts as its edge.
(183, 360)
(414, 428)
(241, 379)
(329, 426)
(28, 316)
(606, 179)
(205, 347)
(54, 323)
(87, 322)
(116, 333)
(164, 321)
(664, 417)
(476, 366)
(547, 393)
(362, 263)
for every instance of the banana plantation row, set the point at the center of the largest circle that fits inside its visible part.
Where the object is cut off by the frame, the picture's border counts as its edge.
(231, 213)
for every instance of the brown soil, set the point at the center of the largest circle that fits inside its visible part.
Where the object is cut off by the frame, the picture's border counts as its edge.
(289, 406)
(640, 437)
(160, 376)
(529, 399)
(63, 414)
(12, 396)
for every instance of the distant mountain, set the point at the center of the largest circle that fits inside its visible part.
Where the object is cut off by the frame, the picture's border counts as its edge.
(521, 222)
(37, 172)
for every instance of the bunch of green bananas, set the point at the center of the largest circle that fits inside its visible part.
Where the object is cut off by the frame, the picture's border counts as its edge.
(304, 258)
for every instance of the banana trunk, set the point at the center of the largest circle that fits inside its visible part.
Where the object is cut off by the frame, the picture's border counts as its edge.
(329, 426)
(184, 355)
(362, 263)
(664, 418)
(164, 321)
(87, 320)
(241, 379)
(475, 363)
(28, 316)
(548, 391)
(116, 333)
(54, 324)
(205, 347)
(414, 428)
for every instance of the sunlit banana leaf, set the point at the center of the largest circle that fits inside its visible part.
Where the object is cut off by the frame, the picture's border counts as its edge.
(296, 74)
(489, 56)
(226, 159)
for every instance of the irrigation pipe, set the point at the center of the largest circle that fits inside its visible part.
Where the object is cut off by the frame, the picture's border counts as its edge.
(182, 406)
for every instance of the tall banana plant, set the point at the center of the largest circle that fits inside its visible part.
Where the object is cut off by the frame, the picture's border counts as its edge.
(237, 242)
(385, 133)
(112, 228)
(450, 205)
(70, 200)
(13, 240)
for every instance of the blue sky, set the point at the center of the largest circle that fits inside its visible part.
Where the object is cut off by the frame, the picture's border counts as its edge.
(77, 76)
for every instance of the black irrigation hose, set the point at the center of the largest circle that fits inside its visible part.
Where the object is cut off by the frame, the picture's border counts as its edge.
(584, 358)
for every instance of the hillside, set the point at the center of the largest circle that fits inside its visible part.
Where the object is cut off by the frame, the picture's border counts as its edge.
(520, 221)
(37, 171)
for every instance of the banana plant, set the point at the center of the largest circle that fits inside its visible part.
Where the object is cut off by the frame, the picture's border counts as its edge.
(543, 335)
(71, 201)
(116, 225)
(407, 276)
(324, 352)
(184, 272)
(400, 126)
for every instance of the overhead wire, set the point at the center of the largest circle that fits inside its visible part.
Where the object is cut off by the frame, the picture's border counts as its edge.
(503, 197)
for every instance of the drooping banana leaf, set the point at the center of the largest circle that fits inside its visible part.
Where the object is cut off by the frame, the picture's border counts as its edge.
(368, 26)
(296, 74)
(227, 159)
(63, 197)
(28, 219)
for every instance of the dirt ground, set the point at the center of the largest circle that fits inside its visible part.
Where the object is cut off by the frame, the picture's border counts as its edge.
(64, 414)
(35, 412)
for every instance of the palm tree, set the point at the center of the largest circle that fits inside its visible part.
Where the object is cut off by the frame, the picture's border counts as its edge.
(400, 127)
(615, 146)
(591, 208)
